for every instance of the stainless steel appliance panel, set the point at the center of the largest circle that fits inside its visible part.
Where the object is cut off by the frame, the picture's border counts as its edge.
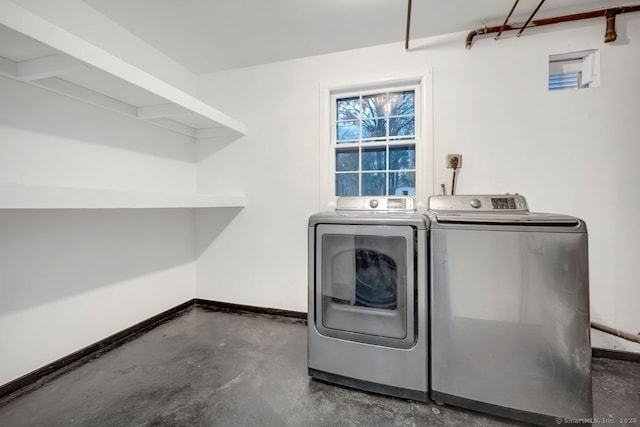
(510, 317)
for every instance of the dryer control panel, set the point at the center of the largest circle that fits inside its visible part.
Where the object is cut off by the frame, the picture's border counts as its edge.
(480, 202)
(376, 203)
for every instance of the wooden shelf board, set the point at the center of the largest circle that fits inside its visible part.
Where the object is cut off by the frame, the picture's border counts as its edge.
(20, 196)
(98, 77)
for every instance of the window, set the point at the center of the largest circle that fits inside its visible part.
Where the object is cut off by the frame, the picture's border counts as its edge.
(575, 70)
(373, 140)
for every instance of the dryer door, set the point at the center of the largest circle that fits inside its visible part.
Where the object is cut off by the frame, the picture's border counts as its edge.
(365, 283)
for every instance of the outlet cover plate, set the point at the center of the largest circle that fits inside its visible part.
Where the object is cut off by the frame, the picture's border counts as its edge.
(450, 158)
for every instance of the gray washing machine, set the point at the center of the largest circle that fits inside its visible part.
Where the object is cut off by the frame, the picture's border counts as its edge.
(509, 309)
(367, 321)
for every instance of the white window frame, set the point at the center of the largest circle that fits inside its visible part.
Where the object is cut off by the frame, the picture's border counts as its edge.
(387, 143)
(422, 83)
(585, 64)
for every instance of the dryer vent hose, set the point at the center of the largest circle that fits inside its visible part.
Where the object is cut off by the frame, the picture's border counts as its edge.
(618, 333)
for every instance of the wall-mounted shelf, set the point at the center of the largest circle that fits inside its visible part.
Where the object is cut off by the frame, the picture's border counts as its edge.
(19, 196)
(37, 52)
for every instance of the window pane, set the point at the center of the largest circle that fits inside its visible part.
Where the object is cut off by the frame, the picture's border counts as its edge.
(374, 184)
(402, 157)
(401, 126)
(346, 184)
(374, 106)
(375, 143)
(402, 183)
(564, 81)
(347, 159)
(348, 108)
(348, 130)
(401, 103)
(374, 128)
(374, 158)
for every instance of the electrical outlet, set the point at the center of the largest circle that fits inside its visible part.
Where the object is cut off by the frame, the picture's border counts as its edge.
(454, 161)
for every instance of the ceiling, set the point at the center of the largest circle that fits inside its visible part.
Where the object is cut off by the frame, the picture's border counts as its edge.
(212, 35)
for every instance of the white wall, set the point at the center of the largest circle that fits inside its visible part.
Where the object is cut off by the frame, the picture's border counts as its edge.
(568, 152)
(69, 278)
(261, 257)
(49, 139)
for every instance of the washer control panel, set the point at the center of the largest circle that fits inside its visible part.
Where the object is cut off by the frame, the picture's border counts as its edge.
(483, 202)
(376, 203)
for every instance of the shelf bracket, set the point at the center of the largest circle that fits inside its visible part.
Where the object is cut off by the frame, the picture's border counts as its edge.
(49, 66)
(8, 68)
(162, 110)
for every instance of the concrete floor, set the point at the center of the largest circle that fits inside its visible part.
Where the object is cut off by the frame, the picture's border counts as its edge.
(206, 368)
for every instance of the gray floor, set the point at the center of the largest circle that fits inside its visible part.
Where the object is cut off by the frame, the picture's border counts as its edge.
(207, 368)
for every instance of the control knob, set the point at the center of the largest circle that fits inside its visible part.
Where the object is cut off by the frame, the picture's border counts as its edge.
(373, 203)
(475, 203)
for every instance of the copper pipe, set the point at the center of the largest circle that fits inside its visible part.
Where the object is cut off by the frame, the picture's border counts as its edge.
(610, 35)
(406, 38)
(554, 20)
(507, 19)
(530, 18)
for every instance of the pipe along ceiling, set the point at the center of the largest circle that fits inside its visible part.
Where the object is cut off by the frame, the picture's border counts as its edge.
(610, 15)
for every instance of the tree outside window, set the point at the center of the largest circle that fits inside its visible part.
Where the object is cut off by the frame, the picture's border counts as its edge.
(375, 151)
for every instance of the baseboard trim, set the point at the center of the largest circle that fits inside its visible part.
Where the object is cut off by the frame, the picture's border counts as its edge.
(41, 375)
(239, 308)
(615, 354)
